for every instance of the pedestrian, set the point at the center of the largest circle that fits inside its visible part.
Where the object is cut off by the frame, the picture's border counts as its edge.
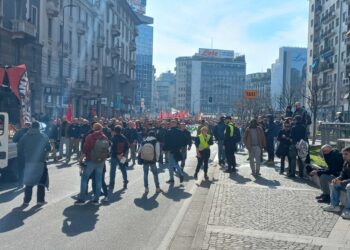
(74, 138)
(132, 137)
(174, 141)
(203, 142)
(232, 137)
(20, 158)
(160, 135)
(64, 140)
(271, 133)
(96, 151)
(34, 147)
(285, 140)
(254, 139)
(288, 113)
(119, 154)
(219, 134)
(148, 156)
(52, 132)
(188, 145)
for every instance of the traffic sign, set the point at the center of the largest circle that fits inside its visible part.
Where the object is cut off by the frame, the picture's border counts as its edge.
(250, 94)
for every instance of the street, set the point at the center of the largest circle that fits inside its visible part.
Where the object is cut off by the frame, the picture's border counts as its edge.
(131, 220)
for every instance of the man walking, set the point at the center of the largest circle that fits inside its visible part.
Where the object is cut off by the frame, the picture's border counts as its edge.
(34, 147)
(188, 145)
(232, 136)
(219, 133)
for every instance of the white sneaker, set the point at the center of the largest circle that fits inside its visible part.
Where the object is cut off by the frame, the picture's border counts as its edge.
(332, 208)
(346, 214)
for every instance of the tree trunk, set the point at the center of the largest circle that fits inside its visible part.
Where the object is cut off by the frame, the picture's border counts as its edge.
(314, 120)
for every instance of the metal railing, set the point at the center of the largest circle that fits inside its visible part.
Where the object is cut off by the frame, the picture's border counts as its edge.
(331, 132)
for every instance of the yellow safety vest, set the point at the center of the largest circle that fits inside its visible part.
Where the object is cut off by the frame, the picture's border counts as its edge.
(203, 142)
(232, 129)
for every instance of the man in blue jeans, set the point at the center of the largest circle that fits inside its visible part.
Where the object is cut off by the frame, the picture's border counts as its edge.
(92, 166)
(119, 154)
(174, 141)
(341, 183)
(219, 133)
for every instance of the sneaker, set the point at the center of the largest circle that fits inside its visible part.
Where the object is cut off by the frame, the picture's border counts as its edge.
(79, 202)
(25, 204)
(146, 190)
(319, 197)
(125, 186)
(170, 181)
(41, 203)
(332, 208)
(195, 176)
(105, 200)
(206, 177)
(95, 202)
(346, 214)
(158, 190)
(181, 179)
(326, 199)
(258, 174)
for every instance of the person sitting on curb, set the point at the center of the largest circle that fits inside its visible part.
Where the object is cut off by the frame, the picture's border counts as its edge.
(335, 163)
(341, 183)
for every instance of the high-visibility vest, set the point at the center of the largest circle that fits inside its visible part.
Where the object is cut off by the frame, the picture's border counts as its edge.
(203, 142)
(232, 129)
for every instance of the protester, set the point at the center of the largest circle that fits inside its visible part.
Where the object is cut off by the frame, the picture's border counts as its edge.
(335, 163)
(203, 143)
(52, 132)
(219, 133)
(341, 183)
(285, 141)
(232, 136)
(148, 156)
(255, 141)
(34, 147)
(132, 137)
(64, 140)
(96, 151)
(187, 146)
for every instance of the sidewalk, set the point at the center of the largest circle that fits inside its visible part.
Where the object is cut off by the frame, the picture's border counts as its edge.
(267, 212)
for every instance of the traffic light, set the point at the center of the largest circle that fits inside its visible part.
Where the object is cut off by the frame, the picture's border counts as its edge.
(210, 99)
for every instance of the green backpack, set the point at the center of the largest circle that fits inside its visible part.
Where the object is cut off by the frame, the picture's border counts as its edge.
(100, 151)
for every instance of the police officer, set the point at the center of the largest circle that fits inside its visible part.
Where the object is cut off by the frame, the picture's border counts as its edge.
(231, 137)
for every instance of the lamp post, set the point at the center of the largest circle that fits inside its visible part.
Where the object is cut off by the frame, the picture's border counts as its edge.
(62, 49)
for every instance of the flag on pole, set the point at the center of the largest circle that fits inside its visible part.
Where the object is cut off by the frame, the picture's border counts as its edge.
(69, 112)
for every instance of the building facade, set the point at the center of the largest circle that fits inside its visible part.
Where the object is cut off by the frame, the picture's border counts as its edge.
(329, 57)
(19, 42)
(88, 56)
(144, 59)
(288, 77)
(261, 82)
(165, 85)
(216, 79)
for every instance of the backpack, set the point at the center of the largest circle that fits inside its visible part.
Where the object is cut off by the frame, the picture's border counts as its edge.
(303, 149)
(147, 152)
(100, 151)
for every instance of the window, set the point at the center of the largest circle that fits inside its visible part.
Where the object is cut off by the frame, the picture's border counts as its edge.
(50, 28)
(61, 33)
(79, 45)
(34, 16)
(49, 65)
(70, 40)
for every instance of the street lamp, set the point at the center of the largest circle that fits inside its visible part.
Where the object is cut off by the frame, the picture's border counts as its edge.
(62, 48)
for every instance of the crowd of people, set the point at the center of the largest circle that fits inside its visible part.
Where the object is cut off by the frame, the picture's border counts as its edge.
(159, 144)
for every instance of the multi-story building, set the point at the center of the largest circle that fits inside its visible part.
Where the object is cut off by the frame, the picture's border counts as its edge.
(88, 56)
(144, 58)
(261, 82)
(216, 79)
(19, 42)
(328, 63)
(165, 84)
(288, 77)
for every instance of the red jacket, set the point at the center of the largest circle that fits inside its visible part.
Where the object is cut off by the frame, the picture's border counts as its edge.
(90, 142)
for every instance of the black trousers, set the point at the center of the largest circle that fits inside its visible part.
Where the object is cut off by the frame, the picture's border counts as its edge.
(230, 156)
(203, 160)
(283, 159)
(40, 196)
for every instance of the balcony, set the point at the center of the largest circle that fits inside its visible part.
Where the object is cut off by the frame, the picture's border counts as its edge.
(132, 46)
(108, 72)
(327, 33)
(326, 66)
(81, 86)
(328, 17)
(317, 26)
(66, 50)
(52, 8)
(100, 42)
(115, 30)
(347, 40)
(327, 52)
(132, 64)
(318, 8)
(347, 20)
(81, 28)
(23, 29)
(124, 78)
(115, 51)
(94, 64)
(347, 60)
(326, 85)
(110, 3)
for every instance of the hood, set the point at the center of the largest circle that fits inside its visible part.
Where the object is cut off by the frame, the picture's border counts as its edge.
(33, 131)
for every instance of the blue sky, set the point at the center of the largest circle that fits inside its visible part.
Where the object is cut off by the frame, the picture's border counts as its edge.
(256, 28)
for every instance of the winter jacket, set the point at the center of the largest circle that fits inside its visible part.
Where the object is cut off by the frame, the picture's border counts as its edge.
(74, 131)
(174, 140)
(219, 131)
(131, 135)
(19, 134)
(188, 137)
(298, 133)
(248, 140)
(334, 162)
(52, 132)
(90, 142)
(120, 145)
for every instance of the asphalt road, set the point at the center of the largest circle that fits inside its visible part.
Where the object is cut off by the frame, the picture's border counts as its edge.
(131, 220)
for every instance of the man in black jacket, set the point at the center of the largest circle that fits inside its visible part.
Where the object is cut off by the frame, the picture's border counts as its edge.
(188, 145)
(334, 160)
(52, 132)
(74, 136)
(132, 136)
(174, 141)
(231, 137)
(160, 135)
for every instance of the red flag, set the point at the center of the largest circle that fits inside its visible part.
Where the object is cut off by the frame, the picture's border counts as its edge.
(69, 113)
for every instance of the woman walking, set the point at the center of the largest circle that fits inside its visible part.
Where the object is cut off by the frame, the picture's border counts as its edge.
(203, 143)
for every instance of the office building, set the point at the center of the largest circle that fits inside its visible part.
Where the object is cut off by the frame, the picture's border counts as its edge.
(261, 82)
(165, 85)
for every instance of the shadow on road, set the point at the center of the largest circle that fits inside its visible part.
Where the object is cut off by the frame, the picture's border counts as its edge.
(146, 203)
(79, 219)
(117, 196)
(240, 179)
(266, 182)
(10, 195)
(16, 217)
(177, 193)
(66, 165)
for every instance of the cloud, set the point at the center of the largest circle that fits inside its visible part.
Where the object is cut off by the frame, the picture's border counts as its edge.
(181, 27)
